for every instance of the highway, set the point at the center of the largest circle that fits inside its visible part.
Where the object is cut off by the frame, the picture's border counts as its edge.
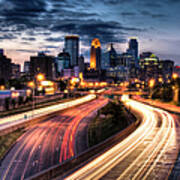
(20, 118)
(148, 153)
(50, 142)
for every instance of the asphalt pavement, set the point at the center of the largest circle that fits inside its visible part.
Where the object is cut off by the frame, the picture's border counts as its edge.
(50, 142)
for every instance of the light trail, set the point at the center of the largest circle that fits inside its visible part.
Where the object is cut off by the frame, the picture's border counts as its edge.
(19, 118)
(43, 143)
(137, 158)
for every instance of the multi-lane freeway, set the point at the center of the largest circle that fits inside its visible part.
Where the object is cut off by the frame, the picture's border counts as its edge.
(148, 153)
(50, 142)
(14, 120)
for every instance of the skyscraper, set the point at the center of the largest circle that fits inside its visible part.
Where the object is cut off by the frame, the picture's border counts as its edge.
(26, 67)
(72, 47)
(95, 61)
(5, 67)
(109, 58)
(42, 64)
(133, 47)
(81, 64)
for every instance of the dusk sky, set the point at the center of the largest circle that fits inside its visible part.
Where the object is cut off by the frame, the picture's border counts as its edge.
(29, 26)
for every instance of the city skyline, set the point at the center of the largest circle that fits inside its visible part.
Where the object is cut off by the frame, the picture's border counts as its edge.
(28, 27)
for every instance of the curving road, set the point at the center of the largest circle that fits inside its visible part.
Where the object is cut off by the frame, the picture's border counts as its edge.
(50, 142)
(13, 120)
(148, 153)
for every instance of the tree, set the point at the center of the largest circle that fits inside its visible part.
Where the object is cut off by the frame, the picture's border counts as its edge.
(62, 85)
(20, 100)
(13, 101)
(7, 100)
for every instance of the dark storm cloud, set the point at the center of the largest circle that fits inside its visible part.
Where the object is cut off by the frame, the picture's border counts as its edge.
(115, 2)
(153, 15)
(106, 31)
(7, 37)
(35, 16)
(128, 14)
(29, 39)
(26, 50)
(153, 4)
(50, 47)
(174, 1)
(55, 39)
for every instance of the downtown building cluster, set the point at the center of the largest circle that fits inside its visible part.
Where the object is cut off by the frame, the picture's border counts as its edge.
(105, 65)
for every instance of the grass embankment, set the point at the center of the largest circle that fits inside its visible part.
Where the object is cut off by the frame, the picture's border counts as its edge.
(109, 120)
(6, 141)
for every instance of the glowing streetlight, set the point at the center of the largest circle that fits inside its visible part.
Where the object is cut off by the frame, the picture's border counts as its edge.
(151, 83)
(31, 84)
(175, 76)
(40, 77)
(160, 80)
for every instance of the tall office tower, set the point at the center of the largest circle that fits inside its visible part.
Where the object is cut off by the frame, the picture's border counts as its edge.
(72, 47)
(5, 67)
(16, 71)
(81, 64)
(26, 66)
(110, 57)
(43, 64)
(133, 47)
(95, 61)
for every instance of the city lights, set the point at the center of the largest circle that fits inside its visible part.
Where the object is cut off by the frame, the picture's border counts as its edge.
(40, 77)
(151, 83)
(175, 76)
(83, 98)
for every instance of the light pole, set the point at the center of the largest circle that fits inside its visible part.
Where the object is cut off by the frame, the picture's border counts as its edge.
(151, 85)
(175, 88)
(38, 78)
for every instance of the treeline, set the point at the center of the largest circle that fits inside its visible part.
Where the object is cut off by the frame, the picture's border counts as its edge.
(165, 92)
(109, 120)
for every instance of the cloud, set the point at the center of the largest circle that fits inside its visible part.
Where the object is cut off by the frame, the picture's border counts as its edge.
(29, 38)
(55, 39)
(128, 14)
(26, 50)
(47, 21)
(51, 47)
(152, 15)
(8, 36)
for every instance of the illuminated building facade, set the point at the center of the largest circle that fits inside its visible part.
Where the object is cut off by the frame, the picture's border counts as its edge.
(149, 66)
(72, 47)
(166, 69)
(95, 61)
(177, 70)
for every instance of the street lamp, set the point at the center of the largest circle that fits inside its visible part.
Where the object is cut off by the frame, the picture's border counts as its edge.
(38, 78)
(174, 76)
(151, 85)
(175, 88)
